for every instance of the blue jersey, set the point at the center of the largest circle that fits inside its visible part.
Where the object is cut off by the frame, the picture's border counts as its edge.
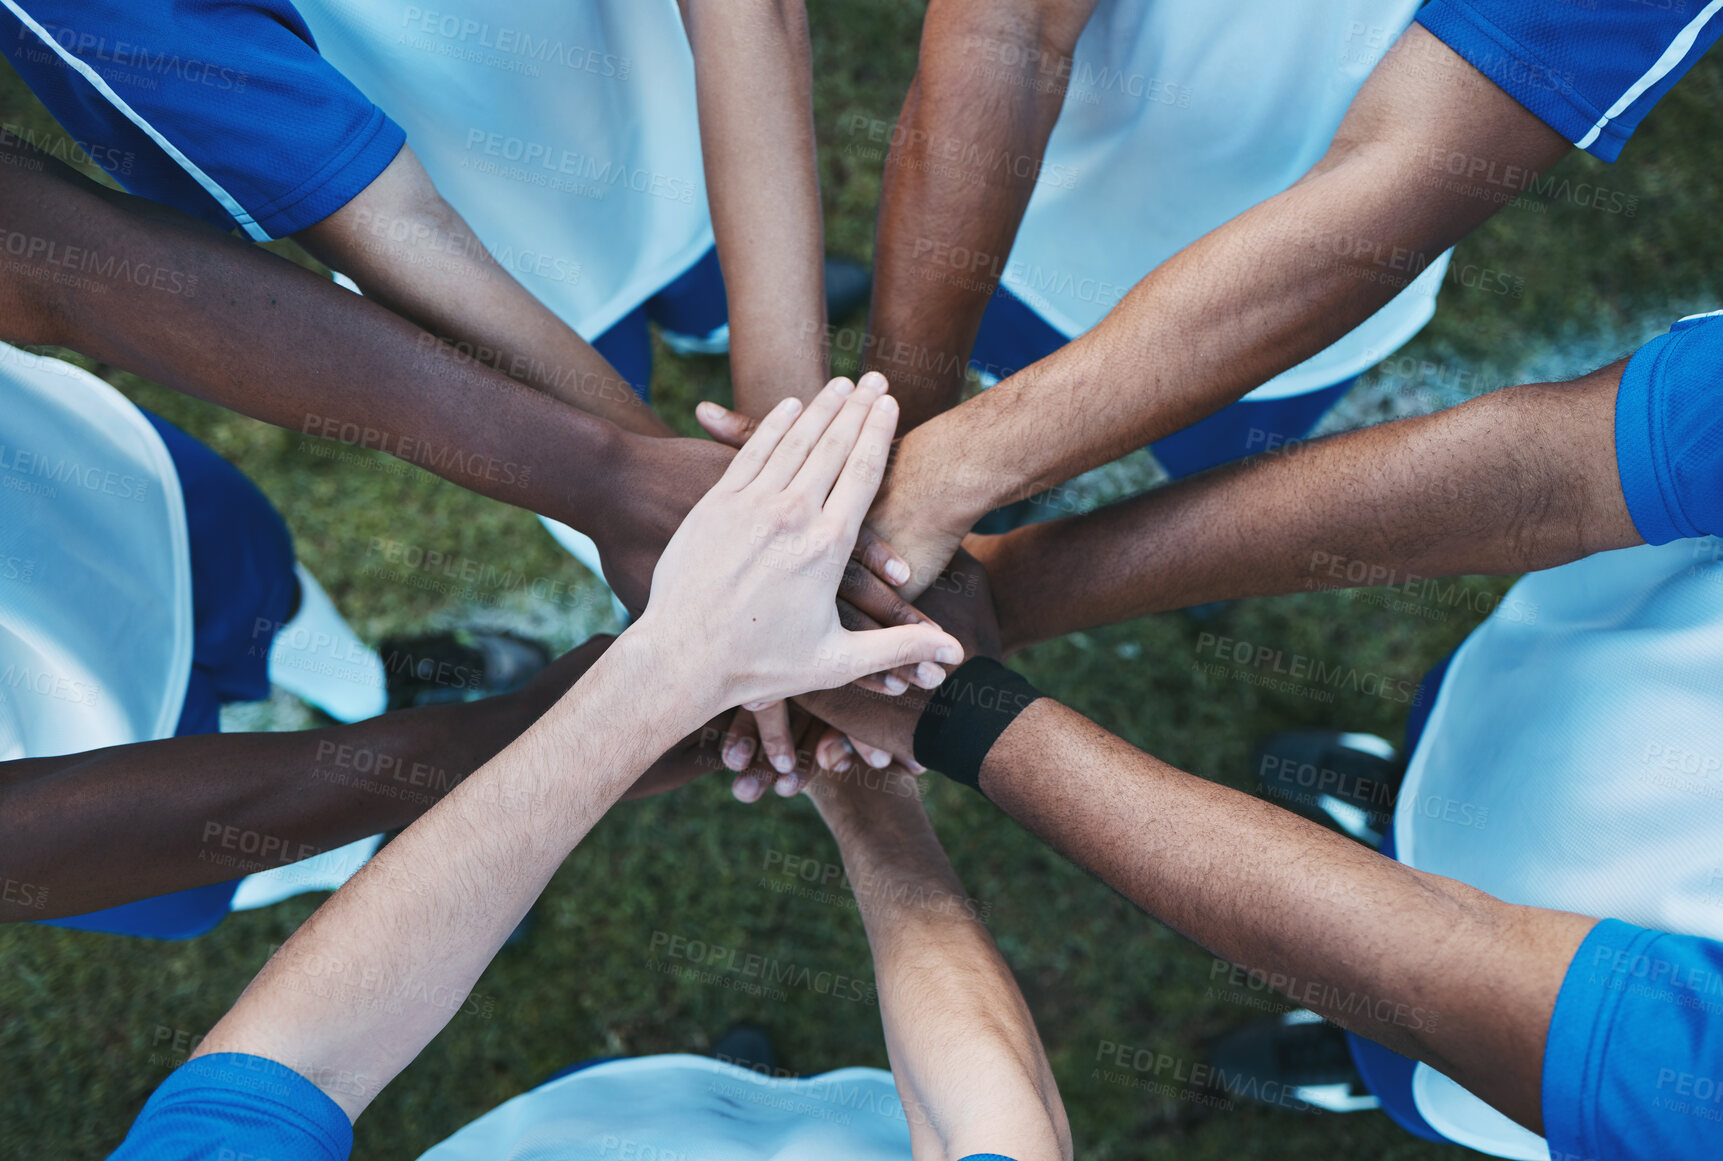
(232, 1105)
(222, 110)
(1633, 1065)
(1591, 70)
(1669, 432)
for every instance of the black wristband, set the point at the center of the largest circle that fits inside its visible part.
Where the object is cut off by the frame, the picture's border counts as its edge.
(966, 715)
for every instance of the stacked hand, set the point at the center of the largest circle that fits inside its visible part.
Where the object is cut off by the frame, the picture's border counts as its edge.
(761, 742)
(746, 586)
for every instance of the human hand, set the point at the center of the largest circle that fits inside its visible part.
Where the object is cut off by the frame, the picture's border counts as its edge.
(745, 591)
(960, 598)
(862, 724)
(917, 516)
(784, 747)
(662, 481)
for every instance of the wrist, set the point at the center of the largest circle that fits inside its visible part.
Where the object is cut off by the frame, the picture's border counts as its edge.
(601, 459)
(931, 475)
(681, 686)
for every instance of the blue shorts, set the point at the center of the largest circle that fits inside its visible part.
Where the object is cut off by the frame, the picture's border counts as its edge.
(223, 110)
(241, 576)
(693, 303)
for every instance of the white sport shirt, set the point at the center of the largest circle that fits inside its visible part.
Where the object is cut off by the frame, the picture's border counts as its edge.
(690, 1108)
(1573, 759)
(564, 131)
(1180, 115)
(95, 566)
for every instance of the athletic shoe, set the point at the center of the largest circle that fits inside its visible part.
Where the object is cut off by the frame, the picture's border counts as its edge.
(1296, 1061)
(465, 667)
(1349, 781)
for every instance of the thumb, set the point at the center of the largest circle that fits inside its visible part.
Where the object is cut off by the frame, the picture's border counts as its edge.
(730, 428)
(877, 650)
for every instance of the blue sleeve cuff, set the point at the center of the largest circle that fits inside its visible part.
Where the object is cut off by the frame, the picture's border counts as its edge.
(1578, 1036)
(1633, 1062)
(232, 1104)
(1669, 432)
(1521, 73)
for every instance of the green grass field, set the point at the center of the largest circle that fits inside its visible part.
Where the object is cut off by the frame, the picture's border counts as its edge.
(89, 1023)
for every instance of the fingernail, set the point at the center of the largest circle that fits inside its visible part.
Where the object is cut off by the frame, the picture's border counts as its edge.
(913, 766)
(783, 763)
(785, 786)
(895, 684)
(879, 759)
(874, 381)
(843, 766)
(928, 675)
(886, 403)
(746, 789)
(949, 654)
(789, 403)
(736, 754)
(708, 410)
(897, 571)
(842, 386)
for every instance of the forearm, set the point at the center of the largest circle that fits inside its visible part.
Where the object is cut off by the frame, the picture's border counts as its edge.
(1252, 298)
(379, 969)
(410, 251)
(112, 826)
(183, 304)
(753, 68)
(964, 1050)
(1521, 479)
(1424, 965)
(965, 157)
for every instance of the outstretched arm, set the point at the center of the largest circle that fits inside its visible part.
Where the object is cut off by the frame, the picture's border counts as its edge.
(412, 252)
(753, 72)
(1427, 966)
(1520, 479)
(965, 156)
(969, 1064)
(1252, 298)
(379, 969)
(111, 826)
(175, 300)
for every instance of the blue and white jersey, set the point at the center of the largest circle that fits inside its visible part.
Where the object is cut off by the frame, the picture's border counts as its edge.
(1177, 118)
(222, 110)
(1590, 70)
(651, 1108)
(1573, 759)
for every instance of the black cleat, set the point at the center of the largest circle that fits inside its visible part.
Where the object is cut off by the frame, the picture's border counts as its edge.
(1350, 781)
(1296, 1061)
